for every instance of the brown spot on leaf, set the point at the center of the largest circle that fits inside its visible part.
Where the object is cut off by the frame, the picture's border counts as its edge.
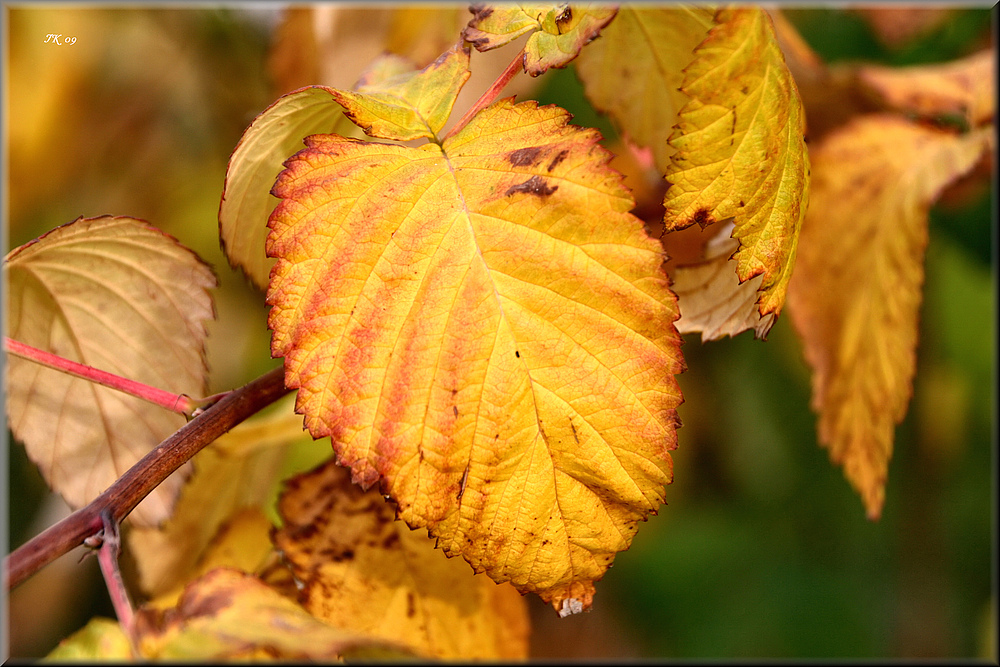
(524, 157)
(536, 185)
(557, 159)
(564, 17)
(411, 605)
(702, 217)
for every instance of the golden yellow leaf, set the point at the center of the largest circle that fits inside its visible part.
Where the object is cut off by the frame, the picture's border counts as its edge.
(740, 150)
(634, 71)
(964, 87)
(710, 296)
(484, 327)
(407, 105)
(241, 470)
(856, 294)
(230, 615)
(101, 640)
(363, 571)
(256, 162)
(558, 31)
(121, 296)
(421, 32)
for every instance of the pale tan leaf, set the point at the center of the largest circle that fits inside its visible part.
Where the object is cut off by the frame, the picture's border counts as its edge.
(121, 296)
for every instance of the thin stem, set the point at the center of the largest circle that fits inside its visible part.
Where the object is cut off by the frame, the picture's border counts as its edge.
(107, 557)
(179, 403)
(138, 481)
(491, 94)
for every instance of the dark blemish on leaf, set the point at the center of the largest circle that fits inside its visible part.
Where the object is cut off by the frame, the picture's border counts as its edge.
(210, 605)
(536, 185)
(575, 436)
(517, 354)
(463, 482)
(455, 409)
(480, 11)
(742, 204)
(557, 159)
(702, 217)
(564, 17)
(348, 554)
(480, 43)
(523, 157)
(390, 540)
(411, 605)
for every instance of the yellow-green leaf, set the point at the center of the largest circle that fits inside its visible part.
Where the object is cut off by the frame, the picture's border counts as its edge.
(121, 296)
(405, 105)
(740, 150)
(558, 31)
(856, 294)
(362, 571)
(256, 162)
(101, 640)
(634, 71)
(483, 326)
(240, 470)
(710, 296)
(230, 615)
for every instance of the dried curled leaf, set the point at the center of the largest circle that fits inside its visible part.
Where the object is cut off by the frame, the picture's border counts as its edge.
(740, 150)
(230, 615)
(634, 71)
(485, 328)
(856, 294)
(711, 298)
(558, 31)
(256, 162)
(121, 296)
(365, 572)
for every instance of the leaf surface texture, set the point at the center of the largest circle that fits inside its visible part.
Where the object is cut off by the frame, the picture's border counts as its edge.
(121, 296)
(485, 328)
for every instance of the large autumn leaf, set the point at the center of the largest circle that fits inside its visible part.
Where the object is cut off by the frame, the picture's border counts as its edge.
(121, 296)
(856, 294)
(740, 152)
(364, 572)
(483, 326)
(558, 31)
(635, 70)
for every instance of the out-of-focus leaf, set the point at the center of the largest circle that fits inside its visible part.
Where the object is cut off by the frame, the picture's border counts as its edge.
(240, 470)
(365, 572)
(101, 640)
(965, 88)
(420, 33)
(121, 296)
(483, 327)
(558, 31)
(856, 294)
(230, 615)
(255, 164)
(407, 105)
(711, 298)
(634, 71)
(896, 26)
(740, 150)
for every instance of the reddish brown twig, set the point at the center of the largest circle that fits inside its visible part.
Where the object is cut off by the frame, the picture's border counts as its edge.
(490, 95)
(121, 497)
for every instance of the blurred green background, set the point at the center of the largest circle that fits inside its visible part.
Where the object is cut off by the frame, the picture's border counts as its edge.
(763, 549)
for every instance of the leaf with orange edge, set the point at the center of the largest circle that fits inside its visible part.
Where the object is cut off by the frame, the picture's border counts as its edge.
(484, 327)
(965, 88)
(634, 71)
(558, 31)
(856, 294)
(231, 615)
(121, 296)
(740, 150)
(256, 162)
(361, 570)
(711, 298)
